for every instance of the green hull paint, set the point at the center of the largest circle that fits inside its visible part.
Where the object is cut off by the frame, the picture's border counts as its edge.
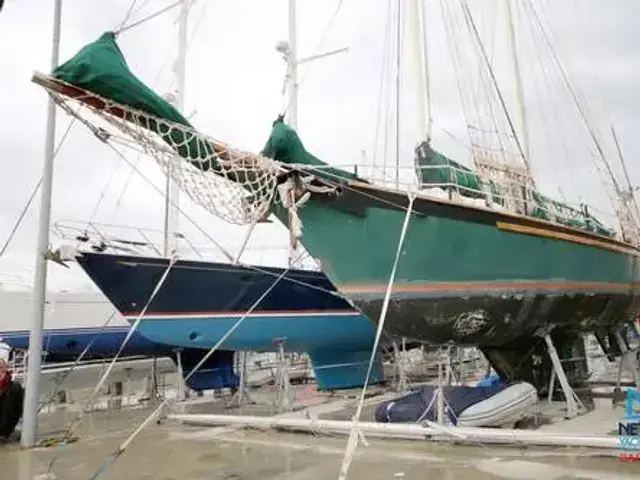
(355, 236)
(361, 251)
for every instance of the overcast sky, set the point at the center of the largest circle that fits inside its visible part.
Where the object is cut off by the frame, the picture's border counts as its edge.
(234, 84)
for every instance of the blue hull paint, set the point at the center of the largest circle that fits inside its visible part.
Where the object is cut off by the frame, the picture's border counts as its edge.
(67, 344)
(64, 345)
(258, 333)
(200, 301)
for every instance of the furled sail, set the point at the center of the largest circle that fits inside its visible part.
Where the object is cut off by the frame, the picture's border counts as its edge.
(101, 68)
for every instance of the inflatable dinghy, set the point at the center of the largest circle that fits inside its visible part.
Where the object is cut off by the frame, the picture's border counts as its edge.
(486, 406)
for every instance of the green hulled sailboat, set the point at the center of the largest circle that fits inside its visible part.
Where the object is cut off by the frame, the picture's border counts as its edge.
(496, 264)
(468, 274)
(493, 275)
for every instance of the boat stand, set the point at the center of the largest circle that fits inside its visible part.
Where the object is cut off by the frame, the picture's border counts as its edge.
(152, 391)
(444, 377)
(451, 375)
(402, 380)
(241, 396)
(574, 404)
(181, 393)
(283, 402)
(628, 362)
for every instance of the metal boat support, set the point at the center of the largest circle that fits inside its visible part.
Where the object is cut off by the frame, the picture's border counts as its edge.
(181, 393)
(628, 360)
(574, 404)
(284, 400)
(402, 380)
(241, 396)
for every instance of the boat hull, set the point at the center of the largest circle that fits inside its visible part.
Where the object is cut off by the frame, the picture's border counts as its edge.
(77, 325)
(468, 275)
(199, 302)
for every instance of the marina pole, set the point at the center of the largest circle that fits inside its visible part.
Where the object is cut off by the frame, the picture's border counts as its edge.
(172, 193)
(32, 395)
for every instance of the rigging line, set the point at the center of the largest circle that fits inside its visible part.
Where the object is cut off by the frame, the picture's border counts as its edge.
(354, 434)
(322, 39)
(385, 47)
(310, 170)
(472, 106)
(218, 245)
(557, 116)
(63, 378)
(73, 425)
(453, 137)
(121, 449)
(485, 86)
(626, 174)
(456, 63)
(582, 110)
(554, 110)
(201, 17)
(34, 192)
(589, 50)
(469, 18)
(161, 192)
(128, 14)
(574, 96)
(103, 194)
(125, 187)
(213, 241)
(147, 18)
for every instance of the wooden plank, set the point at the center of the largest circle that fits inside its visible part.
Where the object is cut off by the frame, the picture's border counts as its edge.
(556, 235)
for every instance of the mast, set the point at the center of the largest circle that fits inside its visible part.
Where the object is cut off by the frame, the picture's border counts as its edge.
(292, 60)
(172, 193)
(289, 51)
(32, 394)
(398, 66)
(421, 67)
(523, 132)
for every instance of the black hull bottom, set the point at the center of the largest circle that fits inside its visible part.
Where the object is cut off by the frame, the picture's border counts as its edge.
(507, 329)
(495, 321)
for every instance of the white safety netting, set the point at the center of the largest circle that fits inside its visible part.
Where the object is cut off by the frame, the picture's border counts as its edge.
(234, 185)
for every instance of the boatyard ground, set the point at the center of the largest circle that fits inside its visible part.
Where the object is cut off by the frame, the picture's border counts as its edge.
(172, 451)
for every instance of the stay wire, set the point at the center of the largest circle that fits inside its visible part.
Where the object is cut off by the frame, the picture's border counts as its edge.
(325, 33)
(70, 370)
(217, 244)
(74, 424)
(115, 455)
(128, 14)
(124, 28)
(34, 192)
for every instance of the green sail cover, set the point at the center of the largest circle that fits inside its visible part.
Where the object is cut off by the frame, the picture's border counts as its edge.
(101, 68)
(434, 168)
(285, 146)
